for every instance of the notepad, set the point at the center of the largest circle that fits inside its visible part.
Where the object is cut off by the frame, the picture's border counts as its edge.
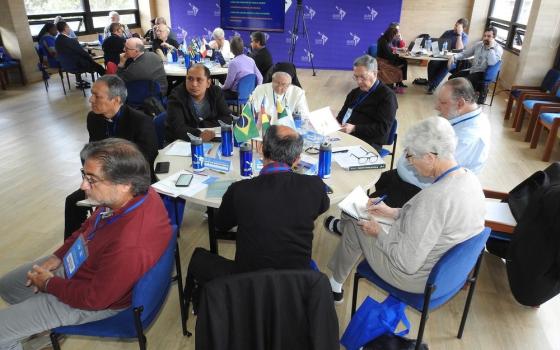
(355, 205)
(499, 212)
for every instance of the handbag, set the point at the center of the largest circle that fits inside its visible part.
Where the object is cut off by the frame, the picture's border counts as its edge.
(374, 319)
(390, 341)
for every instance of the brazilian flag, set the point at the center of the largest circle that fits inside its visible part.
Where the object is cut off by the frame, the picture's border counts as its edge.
(281, 110)
(265, 123)
(245, 127)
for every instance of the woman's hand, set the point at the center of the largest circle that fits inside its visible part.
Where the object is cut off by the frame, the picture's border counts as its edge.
(381, 209)
(370, 227)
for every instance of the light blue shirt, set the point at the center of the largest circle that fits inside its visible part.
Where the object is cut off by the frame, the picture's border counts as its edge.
(473, 147)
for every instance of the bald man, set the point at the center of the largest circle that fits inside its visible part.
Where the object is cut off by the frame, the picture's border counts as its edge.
(138, 64)
(274, 214)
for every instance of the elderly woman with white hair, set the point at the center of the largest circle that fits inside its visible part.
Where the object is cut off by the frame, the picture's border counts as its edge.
(428, 225)
(114, 17)
(220, 43)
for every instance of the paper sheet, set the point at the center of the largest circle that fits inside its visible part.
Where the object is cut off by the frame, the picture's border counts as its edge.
(355, 205)
(499, 212)
(350, 158)
(417, 45)
(167, 185)
(323, 121)
(179, 148)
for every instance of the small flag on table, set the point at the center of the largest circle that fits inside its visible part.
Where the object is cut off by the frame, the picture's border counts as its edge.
(245, 127)
(281, 110)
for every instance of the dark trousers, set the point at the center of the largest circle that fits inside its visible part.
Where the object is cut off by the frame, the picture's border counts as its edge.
(230, 94)
(398, 191)
(477, 81)
(74, 215)
(402, 64)
(437, 70)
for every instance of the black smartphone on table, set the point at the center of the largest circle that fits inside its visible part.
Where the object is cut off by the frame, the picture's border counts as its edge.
(184, 180)
(162, 167)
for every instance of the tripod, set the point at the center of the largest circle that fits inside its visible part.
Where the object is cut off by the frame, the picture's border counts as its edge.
(299, 15)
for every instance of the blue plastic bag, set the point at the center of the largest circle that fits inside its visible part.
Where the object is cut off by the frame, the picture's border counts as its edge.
(373, 319)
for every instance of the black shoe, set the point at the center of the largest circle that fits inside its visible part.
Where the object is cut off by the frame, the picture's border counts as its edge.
(338, 297)
(401, 84)
(430, 91)
(331, 224)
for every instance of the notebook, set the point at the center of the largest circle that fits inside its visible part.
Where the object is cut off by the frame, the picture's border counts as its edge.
(355, 205)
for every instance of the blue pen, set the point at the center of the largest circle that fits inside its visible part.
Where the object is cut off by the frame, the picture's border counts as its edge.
(381, 199)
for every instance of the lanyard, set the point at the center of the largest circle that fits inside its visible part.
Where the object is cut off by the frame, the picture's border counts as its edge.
(283, 98)
(92, 234)
(464, 120)
(361, 99)
(450, 170)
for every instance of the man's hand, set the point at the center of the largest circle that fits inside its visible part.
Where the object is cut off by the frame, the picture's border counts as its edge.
(207, 135)
(348, 128)
(450, 62)
(122, 59)
(38, 278)
(52, 263)
(370, 227)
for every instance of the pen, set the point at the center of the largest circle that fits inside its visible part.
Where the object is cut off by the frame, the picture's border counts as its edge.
(381, 199)
(341, 151)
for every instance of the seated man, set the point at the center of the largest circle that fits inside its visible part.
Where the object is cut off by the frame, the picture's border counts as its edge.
(114, 17)
(162, 20)
(138, 64)
(274, 214)
(164, 42)
(280, 90)
(122, 247)
(113, 46)
(369, 110)
(220, 43)
(73, 52)
(239, 67)
(486, 53)
(456, 39)
(110, 117)
(194, 105)
(259, 52)
(426, 227)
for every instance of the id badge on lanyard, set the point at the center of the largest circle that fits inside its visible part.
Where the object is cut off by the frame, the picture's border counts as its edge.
(75, 257)
(347, 115)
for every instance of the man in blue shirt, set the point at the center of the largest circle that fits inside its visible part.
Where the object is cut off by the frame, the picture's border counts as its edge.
(437, 70)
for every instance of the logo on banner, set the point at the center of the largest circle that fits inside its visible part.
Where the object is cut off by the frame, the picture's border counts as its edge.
(371, 15)
(287, 4)
(309, 13)
(340, 14)
(266, 36)
(208, 34)
(289, 38)
(193, 11)
(217, 10)
(354, 41)
(308, 56)
(322, 40)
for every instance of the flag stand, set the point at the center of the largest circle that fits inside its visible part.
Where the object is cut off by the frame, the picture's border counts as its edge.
(299, 15)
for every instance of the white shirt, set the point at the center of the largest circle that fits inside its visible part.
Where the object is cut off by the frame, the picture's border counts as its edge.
(293, 100)
(225, 50)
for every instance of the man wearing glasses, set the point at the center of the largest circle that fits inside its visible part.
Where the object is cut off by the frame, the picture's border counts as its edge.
(125, 237)
(138, 64)
(196, 104)
(110, 117)
(369, 109)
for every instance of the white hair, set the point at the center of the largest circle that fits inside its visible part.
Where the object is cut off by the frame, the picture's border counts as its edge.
(281, 74)
(58, 19)
(218, 33)
(431, 135)
(113, 13)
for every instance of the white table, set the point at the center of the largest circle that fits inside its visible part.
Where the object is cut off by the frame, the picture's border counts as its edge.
(341, 181)
(179, 70)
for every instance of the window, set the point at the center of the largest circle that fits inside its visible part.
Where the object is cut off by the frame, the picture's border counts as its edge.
(83, 16)
(510, 18)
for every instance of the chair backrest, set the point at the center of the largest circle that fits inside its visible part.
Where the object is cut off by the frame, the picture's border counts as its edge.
(492, 72)
(159, 123)
(453, 268)
(111, 68)
(246, 86)
(372, 50)
(550, 80)
(139, 90)
(287, 67)
(5, 55)
(392, 133)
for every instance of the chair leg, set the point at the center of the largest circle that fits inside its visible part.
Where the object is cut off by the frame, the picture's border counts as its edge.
(54, 341)
(551, 140)
(494, 90)
(536, 134)
(3, 79)
(62, 80)
(532, 121)
(472, 281)
(179, 278)
(511, 99)
(139, 329)
(187, 295)
(357, 277)
(424, 318)
(394, 149)
(520, 117)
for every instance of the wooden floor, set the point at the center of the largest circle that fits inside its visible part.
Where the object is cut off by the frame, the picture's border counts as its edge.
(42, 134)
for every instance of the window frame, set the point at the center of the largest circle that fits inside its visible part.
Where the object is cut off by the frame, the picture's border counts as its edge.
(87, 15)
(512, 26)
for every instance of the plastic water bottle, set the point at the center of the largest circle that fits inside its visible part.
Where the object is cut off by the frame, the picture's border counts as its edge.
(428, 44)
(169, 56)
(325, 154)
(246, 160)
(444, 47)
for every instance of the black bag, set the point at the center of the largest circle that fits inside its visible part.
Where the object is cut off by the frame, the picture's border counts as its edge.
(152, 106)
(391, 341)
(420, 81)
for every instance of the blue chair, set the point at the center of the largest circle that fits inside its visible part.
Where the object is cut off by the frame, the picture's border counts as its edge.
(391, 140)
(447, 278)
(491, 76)
(534, 105)
(159, 123)
(550, 121)
(550, 80)
(139, 90)
(372, 50)
(45, 69)
(148, 296)
(68, 65)
(7, 63)
(245, 87)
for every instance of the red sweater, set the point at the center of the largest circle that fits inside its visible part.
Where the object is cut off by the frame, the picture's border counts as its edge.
(118, 255)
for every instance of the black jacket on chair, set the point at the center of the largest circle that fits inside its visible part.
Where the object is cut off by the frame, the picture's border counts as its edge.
(273, 310)
(73, 52)
(113, 46)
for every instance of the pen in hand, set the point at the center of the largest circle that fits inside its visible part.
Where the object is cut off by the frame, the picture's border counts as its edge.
(381, 199)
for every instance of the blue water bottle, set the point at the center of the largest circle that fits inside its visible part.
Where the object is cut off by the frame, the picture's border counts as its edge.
(428, 44)
(197, 153)
(246, 160)
(100, 38)
(325, 154)
(444, 48)
(227, 139)
(297, 119)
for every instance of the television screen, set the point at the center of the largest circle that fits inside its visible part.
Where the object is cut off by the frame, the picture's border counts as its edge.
(252, 15)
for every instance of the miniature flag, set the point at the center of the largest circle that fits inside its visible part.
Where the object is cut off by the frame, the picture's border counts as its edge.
(281, 110)
(245, 127)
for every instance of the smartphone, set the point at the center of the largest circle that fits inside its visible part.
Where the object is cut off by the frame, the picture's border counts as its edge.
(162, 167)
(184, 180)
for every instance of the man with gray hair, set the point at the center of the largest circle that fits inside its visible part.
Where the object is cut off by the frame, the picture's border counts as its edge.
(274, 214)
(138, 64)
(125, 236)
(370, 109)
(114, 17)
(283, 91)
(220, 43)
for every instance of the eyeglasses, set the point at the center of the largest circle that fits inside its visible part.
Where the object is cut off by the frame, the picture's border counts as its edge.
(90, 179)
(409, 156)
(368, 158)
(361, 77)
(128, 48)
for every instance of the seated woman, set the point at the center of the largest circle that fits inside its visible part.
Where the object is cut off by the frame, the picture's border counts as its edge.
(164, 42)
(239, 67)
(447, 213)
(113, 46)
(392, 68)
(220, 43)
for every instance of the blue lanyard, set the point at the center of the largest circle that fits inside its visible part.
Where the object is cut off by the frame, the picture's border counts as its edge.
(450, 170)
(361, 99)
(464, 120)
(93, 232)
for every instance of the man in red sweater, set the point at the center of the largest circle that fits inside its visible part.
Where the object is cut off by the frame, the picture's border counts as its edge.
(124, 238)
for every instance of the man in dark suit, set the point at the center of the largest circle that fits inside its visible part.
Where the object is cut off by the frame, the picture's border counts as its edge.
(274, 214)
(109, 117)
(113, 45)
(259, 52)
(70, 51)
(369, 109)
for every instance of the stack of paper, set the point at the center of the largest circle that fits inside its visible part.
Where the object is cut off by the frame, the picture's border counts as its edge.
(167, 185)
(183, 149)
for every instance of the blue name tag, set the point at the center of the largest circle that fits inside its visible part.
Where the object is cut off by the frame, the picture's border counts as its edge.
(216, 164)
(75, 257)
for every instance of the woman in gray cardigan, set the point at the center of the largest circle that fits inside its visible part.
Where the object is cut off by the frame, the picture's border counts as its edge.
(446, 213)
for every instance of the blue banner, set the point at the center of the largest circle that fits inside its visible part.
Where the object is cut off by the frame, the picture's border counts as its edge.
(339, 31)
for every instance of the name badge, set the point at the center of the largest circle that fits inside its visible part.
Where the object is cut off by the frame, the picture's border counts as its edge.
(347, 115)
(75, 257)
(221, 165)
